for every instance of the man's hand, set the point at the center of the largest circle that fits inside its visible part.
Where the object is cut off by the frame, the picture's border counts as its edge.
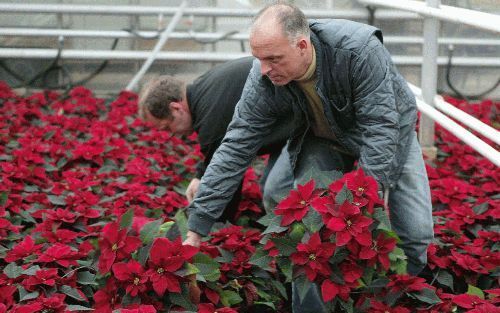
(193, 239)
(192, 189)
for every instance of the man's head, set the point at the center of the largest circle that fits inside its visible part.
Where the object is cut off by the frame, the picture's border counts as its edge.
(163, 103)
(280, 39)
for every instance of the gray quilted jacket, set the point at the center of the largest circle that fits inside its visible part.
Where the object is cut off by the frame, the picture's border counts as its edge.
(366, 101)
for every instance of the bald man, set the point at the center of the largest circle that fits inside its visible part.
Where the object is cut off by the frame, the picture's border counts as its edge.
(349, 103)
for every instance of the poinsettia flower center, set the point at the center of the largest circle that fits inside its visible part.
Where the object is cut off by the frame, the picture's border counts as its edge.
(114, 247)
(136, 281)
(361, 189)
(312, 256)
(160, 270)
(349, 223)
(303, 202)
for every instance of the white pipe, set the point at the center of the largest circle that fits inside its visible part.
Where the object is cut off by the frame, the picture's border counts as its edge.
(55, 32)
(467, 119)
(36, 53)
(358, 13)
(118, 55)
(472, 122)
(477, 144)
(159, 45)
(473, 18)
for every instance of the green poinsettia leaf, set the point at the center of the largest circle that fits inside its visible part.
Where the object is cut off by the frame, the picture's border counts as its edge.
(229, 298)
(31, 271)
(475, 291)
(56, 200)
(347, 306)
(208, 267)
(261, 259)
(427, 295)
(3, 198)
(398, 260)
(285, 265)
(73, 307)
(285, 246)
(11, 270)
(25, 295)
(150, 231)
(481, 208)
(127, 219)
(181, 222)
(182, 299)
(71, 292)
(143, 253)
(280, 287)
(274, 226)
(344, 195)
(303, 286)
(87, 278)
(266, 219)
(313, 221)
(445, 278)
(381, 216)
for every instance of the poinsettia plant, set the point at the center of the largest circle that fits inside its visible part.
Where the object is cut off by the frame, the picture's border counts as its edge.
(340, 239)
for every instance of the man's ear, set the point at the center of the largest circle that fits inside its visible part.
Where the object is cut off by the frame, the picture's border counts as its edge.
(175, 106)
(302, 44)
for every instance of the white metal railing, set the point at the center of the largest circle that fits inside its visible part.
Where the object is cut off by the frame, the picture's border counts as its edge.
(89, 54)
(198, 11)
(477, 144)
(485, 21)
(159, 45)
(468, 120)
(206, 36)
(427, 101)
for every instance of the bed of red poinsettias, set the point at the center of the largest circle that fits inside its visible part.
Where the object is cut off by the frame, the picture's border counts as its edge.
(91, 214)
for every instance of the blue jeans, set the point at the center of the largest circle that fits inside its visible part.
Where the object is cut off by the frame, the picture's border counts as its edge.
(409, 199)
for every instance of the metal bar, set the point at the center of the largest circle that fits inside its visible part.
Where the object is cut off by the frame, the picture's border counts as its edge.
(467, 119)
(161, 42)
(472, 18)
(463, 134)
(198, 11)
(54, 32)
(428, 79)
(36, 53)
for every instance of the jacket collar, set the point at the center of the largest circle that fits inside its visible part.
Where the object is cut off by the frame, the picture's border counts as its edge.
(318, 48)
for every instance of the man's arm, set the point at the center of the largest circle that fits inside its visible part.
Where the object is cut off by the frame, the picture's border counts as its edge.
(252, 121)
(377, 117)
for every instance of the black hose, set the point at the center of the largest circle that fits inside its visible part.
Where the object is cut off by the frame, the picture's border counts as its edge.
(459, 94)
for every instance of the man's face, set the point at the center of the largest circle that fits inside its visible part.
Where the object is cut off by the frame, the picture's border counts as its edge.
(179, 122)
(281, 60)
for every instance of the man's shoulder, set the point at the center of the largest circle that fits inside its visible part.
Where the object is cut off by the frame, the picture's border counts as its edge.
(344, 34)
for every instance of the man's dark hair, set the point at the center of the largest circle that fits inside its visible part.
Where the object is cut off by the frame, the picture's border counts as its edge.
(157, 95)
(290, 17)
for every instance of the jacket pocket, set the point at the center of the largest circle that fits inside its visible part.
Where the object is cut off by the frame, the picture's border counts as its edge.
(342, 110)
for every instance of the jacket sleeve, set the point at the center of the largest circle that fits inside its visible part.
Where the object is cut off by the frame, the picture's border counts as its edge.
(208, 151)
(377, 117)
(252, 121)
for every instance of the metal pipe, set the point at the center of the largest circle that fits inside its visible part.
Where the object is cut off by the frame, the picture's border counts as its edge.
(467, 119)
(359, 13)
(76, 54)
(428, 79)
(161, 42)
(477, 144)
(472, 122)
(54, 32)
(472, 18)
